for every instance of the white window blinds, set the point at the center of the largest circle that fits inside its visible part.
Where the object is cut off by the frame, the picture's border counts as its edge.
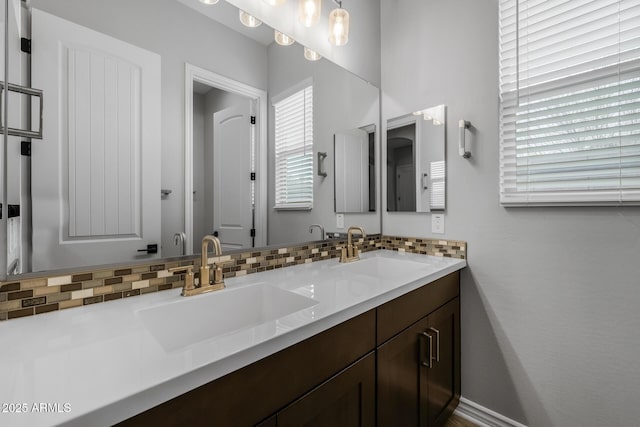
(570, 102)
(294, 150)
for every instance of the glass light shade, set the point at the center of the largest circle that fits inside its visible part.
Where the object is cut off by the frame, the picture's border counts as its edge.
(282, 39)
(311, 55)
(274, 2)
(209, 1)
(338, 27)
(309, 11)
(249, 20)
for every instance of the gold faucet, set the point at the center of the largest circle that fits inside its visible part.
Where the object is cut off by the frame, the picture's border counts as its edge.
(351, 252)
(206, 284)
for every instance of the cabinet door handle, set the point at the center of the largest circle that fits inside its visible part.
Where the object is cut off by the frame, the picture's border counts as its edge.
(429, 338)
(437, 332)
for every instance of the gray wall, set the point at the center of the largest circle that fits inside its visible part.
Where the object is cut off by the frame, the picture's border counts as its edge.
(341, 101)
(180, 35)
(550, 324)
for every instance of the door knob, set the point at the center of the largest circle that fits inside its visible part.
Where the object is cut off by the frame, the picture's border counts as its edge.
(215, 234)
(151, 249)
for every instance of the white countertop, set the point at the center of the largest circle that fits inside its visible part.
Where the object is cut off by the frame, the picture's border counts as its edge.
(101, 364)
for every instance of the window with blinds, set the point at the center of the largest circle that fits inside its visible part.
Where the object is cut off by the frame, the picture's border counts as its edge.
(570, 102)
(294, 150)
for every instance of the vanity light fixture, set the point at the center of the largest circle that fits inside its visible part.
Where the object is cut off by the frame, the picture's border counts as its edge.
(282, 39)
(309, 11)
(338, 25)
(209, 1)
(274, 2)
(311, 55)
(249, 20)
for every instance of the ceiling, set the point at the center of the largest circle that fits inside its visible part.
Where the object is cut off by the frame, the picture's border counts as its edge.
(227, 15)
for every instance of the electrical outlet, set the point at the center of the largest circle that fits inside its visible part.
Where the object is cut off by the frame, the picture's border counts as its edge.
(340, 221)
(437, 223)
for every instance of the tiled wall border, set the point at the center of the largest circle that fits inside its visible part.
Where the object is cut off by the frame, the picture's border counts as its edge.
(49, 293)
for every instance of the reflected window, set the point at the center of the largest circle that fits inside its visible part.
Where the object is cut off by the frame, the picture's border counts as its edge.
(294, 150)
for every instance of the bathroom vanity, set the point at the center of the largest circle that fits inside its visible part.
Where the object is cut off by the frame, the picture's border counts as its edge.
(330, 379)
(324, 343)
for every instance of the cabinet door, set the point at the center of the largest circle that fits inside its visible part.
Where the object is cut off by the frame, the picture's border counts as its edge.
(443, 377)
(419, 371)
(347, 399)
(400, 377)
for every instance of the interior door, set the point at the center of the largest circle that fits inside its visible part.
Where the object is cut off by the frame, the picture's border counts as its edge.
(96, 179)
(352, 170)
(405, 190)
(232, 185)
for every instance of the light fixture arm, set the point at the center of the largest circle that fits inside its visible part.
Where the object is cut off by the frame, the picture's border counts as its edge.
(338, 2)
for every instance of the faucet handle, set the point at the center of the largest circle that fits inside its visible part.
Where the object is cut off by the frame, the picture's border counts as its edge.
(217, 275)
(187, 269)
(188, 277)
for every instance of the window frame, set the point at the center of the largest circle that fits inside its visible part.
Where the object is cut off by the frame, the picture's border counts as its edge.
(308, 145)
(510, 98)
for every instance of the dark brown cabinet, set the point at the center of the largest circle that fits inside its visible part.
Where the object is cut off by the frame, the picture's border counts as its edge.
(418, 373)
(395, 365)
(347, 400)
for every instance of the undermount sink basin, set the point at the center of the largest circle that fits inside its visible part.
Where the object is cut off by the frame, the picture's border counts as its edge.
(191, 320)
(381, 267)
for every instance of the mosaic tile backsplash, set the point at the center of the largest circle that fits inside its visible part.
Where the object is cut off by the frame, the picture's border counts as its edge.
(49, 293)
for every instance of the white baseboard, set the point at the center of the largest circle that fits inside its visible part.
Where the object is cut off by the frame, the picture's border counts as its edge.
(482, 416)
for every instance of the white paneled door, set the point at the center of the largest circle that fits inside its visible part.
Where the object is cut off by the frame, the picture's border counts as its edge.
(96, 173)
(232, 159)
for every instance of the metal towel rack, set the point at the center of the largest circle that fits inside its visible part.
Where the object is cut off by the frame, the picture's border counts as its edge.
(25, 91)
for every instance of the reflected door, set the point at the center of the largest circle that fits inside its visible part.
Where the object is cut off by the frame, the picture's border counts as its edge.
(405, 190)
(232, 186)
(96, 173)
(351, 150)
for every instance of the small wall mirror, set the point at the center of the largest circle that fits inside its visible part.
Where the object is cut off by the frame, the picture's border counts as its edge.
(416, 168)
(355, 170)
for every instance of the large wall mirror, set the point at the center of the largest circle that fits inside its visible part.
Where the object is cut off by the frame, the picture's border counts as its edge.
(416, 167)
(127, 171)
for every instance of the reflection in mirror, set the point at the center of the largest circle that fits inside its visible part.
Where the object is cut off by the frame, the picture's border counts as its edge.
(355, 173)
(416, 161)
(112, 169)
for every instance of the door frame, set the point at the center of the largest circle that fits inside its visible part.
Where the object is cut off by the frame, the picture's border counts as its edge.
(194, 73)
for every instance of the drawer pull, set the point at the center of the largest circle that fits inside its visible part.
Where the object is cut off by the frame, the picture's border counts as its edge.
(437, 332)
(430, 342)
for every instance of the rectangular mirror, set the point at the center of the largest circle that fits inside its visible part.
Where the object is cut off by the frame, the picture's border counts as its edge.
(129, 168)
(416, 166)
(355, 170)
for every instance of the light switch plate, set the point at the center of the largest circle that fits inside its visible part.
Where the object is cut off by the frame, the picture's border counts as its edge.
(437, 223)
(340, 221)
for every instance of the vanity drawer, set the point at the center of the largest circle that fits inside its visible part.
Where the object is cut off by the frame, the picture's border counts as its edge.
(405, 310)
